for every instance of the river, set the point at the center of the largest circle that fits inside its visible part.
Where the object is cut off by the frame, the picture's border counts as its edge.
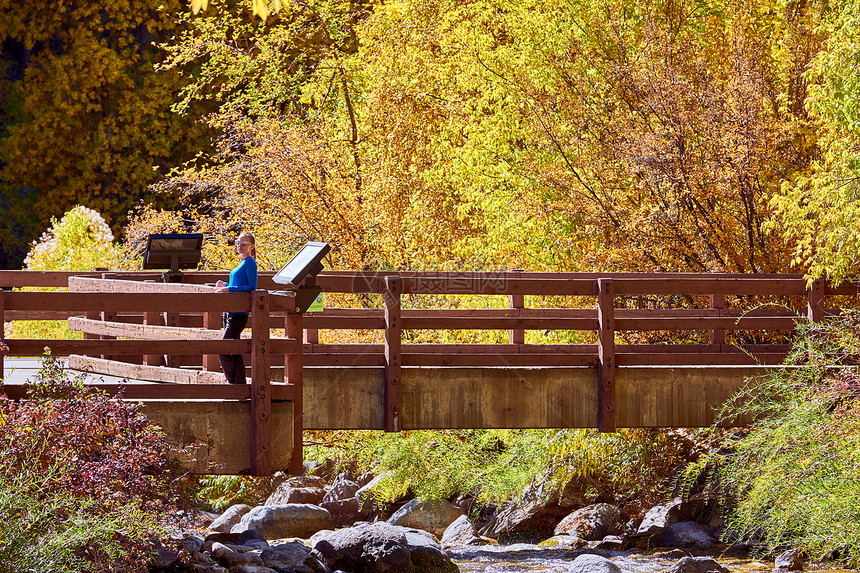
(526, 558)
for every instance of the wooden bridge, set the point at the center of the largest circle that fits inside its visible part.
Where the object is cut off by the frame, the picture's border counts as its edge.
(607, 370)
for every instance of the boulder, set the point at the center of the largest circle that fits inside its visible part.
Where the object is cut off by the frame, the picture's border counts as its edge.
(697, 565)
(252, 569)
(229, 518)
(791, 560)
(609, 543)
(346, 511)
(364, 494)
(589, 563)
(563, 542)
(294, 557)
(431, 516)
(382, 548)
(305, 481)
(659, 516)
(163, 558)
(591, 523)
(462, 532)
(289, 520)
(343, 487)
(231, 557)
(684, 534)
(284, 495)
(535, 515)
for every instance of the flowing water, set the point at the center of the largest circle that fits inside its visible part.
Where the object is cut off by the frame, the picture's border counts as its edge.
(526, 558)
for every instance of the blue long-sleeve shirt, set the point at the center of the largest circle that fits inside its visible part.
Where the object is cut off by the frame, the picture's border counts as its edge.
(244, 277)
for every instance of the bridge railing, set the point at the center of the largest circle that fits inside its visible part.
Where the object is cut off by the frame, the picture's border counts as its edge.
(597, 313)
(160, 340)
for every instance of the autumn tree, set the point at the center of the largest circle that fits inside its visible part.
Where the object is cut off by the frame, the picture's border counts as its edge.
(541, 134)
(607, 136)
(298, 159)
(819, 209)
(85, 118)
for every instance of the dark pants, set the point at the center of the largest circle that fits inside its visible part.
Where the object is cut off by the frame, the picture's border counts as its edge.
(233, 365)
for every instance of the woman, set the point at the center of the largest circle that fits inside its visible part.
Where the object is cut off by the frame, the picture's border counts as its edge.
(242, 279)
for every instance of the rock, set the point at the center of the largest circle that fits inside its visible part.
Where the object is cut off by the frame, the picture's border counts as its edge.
(231, 538)
(591, 523)
(163, 558)
(659, 516)
(191, 544)
(290, 520)
(306, 481)
(431, 516)
(346, 511)
(322, 534)
(697, 565)
(532, 518)
(364, 494)
(230, 558)
(252, 569)
(230, 518)
(284, 495)
(609, 543)
(200, 559)
(344, 487)
(293, 557)
(249, 535)
(684, 534)
(593, 564)
(791, 560)
(563, 542)
(460, 533)
(382, 548)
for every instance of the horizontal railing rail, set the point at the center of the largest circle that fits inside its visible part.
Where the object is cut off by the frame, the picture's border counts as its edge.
(134, 316)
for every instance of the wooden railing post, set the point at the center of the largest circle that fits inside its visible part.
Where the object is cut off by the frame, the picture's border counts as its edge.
(156, 319)
(2, 330)
(516, 301)
(211, 321)
(815, 301)
(393, 334)
(718, 335)
(172, 319)
(606, 355)
(293, 376)
(261, 381)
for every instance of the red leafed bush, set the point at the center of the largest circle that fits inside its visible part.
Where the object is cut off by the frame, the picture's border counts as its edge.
(102, 447)
(91, 468)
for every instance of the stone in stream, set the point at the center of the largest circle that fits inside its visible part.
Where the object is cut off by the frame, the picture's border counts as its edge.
(462, 532)
(684, 534)
(289, 520)
(431, 516)
(229, 518)
(344, 487)
(563, 542)
(697, 565)
(593, 564)
(791, 560)
(284, 495)
(591, 523)
(382, 548)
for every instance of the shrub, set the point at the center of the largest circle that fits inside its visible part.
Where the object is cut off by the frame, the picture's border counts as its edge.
(80, 241)
(794, 478)
(84, 479)
(498, 465)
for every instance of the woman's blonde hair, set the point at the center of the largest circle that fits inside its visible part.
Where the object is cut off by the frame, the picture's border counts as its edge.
(252, 240)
